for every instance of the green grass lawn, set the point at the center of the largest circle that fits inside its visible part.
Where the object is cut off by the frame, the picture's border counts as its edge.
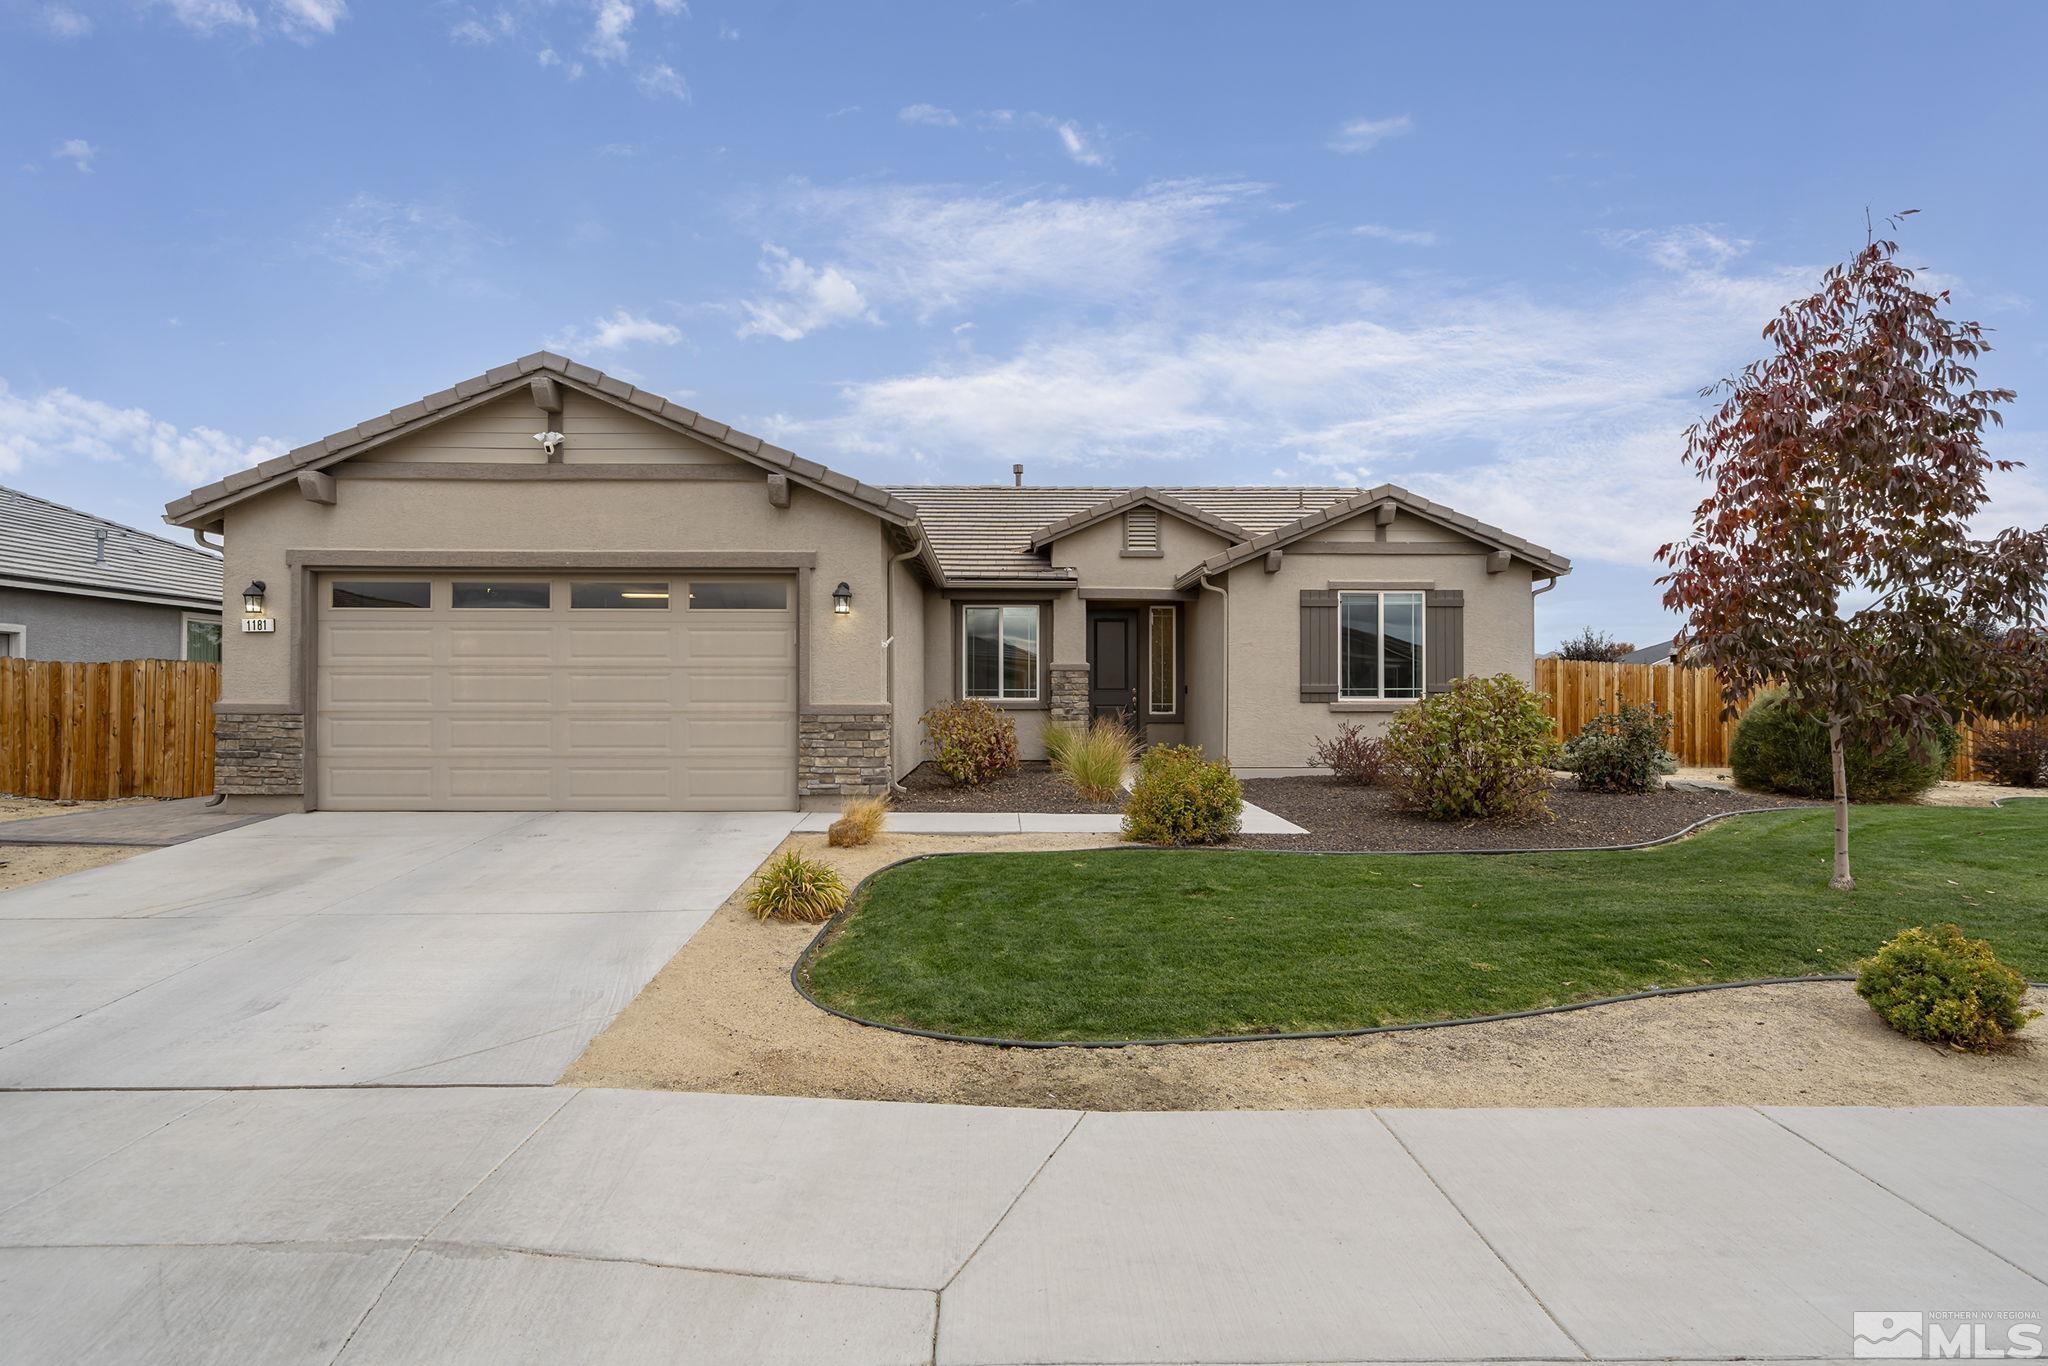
(1154, 943)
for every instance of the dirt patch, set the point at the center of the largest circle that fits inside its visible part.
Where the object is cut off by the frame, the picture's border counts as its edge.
(1349, 818)
(23, 864)
(30, 808)
(1032, 787)
(721, 1016)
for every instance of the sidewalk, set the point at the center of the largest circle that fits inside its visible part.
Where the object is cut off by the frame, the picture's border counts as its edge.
(1257, 821)
(544, 1224)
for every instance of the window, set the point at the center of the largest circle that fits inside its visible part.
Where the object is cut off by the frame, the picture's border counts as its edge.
(1141, 532)
(202, 639)
(1379, 646)
(1000, 653)
(735, 595)
(529, 596)
(618, 596)
(1165, 685)
(13, 641)
(382, 593)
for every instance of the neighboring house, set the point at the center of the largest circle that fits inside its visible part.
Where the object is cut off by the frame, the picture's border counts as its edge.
(75, 586)
(648, 609)
(1649, 654)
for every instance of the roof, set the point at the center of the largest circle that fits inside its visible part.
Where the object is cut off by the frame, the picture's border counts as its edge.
(1649, 654)
(1359, 501)
(46, 542)
(201, 505)
(987, 531)
(1130, 498)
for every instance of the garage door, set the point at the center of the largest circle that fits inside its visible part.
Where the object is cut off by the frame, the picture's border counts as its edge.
(555, 692)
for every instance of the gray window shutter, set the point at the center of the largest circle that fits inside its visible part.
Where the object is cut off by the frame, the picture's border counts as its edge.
(1319, 645)
(1443, 657)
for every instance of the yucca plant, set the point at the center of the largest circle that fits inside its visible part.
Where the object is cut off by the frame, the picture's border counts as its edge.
(793, 887)
(860, 820)
(1095, 759)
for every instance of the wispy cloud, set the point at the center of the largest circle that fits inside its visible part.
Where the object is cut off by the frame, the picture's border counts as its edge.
(1362, 135)
(1685, 247)
(661, 82)
(62, 21)
(78, 152)
(608, 35)
(1401, 237)
(1081, 145)
(58, 426)
(377, 238)
(301, 19)
(621, 330)
(1078, 145)
(929, 114)
(611, 32)
(805, 298)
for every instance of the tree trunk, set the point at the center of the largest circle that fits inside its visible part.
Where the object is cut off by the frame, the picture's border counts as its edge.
(1841, 881)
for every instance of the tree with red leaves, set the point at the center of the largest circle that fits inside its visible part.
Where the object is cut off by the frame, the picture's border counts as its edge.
(1834, 554)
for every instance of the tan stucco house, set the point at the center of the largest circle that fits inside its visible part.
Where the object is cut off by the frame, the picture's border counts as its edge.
(544, 588)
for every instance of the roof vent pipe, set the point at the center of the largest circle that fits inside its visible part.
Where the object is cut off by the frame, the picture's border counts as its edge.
(1017, 475)
(99, 548)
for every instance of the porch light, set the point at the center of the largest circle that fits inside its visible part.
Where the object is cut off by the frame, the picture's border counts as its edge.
(842, 598)
(252, 598)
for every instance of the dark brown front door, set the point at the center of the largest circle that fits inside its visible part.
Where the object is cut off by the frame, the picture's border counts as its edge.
(1113, 664)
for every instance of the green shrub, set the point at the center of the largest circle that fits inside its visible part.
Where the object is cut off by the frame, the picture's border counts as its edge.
(1060, 739)
(792, 887)
(1621, 751)
(1094, 760)
(2016, 755)
(1777, 750)
(1182, 798)
(1937, 986)
(971, 741)
(1352, 756)
(1480, 751)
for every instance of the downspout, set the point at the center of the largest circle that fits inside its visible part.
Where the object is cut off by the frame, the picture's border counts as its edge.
(199, 535)
(1548, 584)
(889, 640)
(1224, 594)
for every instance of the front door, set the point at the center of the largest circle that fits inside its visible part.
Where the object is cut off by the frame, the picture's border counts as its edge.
(1113, 665)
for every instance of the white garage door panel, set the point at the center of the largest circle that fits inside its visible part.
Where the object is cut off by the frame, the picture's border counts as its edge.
(508, 708)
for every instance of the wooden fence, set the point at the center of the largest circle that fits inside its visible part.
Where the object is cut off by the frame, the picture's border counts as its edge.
(89, 732)
(1579, 688)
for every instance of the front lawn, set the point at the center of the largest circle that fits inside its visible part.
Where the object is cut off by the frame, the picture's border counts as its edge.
(1155, 944)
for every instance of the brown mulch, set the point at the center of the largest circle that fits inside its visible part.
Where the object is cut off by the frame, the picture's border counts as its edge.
(1032, 787)
(1341, 817)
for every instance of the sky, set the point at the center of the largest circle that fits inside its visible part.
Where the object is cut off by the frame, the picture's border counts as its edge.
(1487, 252)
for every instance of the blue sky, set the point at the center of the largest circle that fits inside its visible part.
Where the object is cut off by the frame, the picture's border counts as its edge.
(1487, 252)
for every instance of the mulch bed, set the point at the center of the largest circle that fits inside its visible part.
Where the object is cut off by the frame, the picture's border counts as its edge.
(1342, 818)
(1033, 787)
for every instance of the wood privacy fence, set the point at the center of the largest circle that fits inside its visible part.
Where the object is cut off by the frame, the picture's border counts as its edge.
(89, 732)
(1579, 688)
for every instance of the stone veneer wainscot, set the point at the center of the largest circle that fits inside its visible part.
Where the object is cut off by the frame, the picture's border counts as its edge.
(259, 753)
(842, 753)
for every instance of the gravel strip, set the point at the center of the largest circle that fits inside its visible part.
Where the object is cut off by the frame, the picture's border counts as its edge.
(1033, 787)
(1342, 818)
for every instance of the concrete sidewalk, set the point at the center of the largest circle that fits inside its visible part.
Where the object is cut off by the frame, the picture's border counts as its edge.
(542, 1225)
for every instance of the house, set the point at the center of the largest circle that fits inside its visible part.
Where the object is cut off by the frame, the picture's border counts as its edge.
(1649, 654)
(543, 588)
(78, 587)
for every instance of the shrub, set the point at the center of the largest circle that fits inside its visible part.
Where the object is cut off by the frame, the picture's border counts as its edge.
(2016, 755)
(1060, 739)
(1480, 751)
(1182, 798)
(1094, 760)
(1621, 751)
(1777, 750)
(793, 887)
(1940, 987)
(1352, 756)
(860, 820)
(1596, 646)
(971, 741)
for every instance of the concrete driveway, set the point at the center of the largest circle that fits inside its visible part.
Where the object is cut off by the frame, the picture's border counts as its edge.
(353, 949)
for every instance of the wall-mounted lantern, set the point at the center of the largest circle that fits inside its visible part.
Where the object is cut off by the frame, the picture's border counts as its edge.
(842, 598)
(252, 598)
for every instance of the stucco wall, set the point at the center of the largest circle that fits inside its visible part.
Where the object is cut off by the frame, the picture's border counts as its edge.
(1270, 727)
(1096, 553)
(1206, 663)
(91, 630)
(910, 666)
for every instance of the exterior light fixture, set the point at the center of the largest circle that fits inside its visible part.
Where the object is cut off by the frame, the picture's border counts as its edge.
(842, 598)
(252, 598)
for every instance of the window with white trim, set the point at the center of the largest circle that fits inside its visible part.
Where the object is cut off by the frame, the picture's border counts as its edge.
(201, 637)
(1163, 690)
(999, 652)
(1379, 646)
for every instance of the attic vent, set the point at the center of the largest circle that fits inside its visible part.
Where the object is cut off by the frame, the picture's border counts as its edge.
(1141, 531)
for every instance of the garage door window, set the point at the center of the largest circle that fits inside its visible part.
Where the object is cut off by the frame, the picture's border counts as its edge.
(382, 593)
(618, 596)
(734, 595)
(530, 596)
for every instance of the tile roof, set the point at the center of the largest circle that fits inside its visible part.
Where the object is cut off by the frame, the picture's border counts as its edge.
(47, 542)
(201, 503)
(985, 531)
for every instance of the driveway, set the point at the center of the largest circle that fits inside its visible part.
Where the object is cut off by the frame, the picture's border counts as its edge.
(357, 949)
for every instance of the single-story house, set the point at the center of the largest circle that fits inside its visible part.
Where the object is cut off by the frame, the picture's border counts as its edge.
(78, 587)
(1659, 653)
(544, 588)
